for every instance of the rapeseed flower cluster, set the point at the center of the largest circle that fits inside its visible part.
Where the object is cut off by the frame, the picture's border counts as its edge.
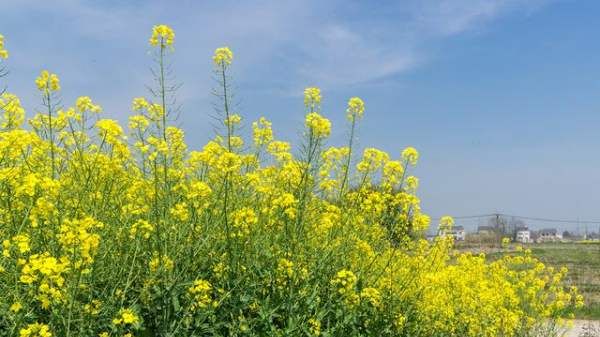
(13, 114)
(3, 51)
(223, 56)
(318, 125)
(47, 81)
(111, 230)
(312, 98)
(162, 35)
(35, 330)
(356, 109)
(201, 293)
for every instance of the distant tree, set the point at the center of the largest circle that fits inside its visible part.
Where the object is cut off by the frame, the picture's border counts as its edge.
(502, 225)
(514, 224)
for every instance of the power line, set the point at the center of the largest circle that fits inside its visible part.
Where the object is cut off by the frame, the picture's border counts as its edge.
(530, 218)
(557, 220)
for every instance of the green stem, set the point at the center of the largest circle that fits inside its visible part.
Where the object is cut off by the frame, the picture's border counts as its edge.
(347, 165)
(51, 132)
(226, 106)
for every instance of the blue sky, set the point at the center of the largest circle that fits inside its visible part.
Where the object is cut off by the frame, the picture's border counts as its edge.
(501, 97)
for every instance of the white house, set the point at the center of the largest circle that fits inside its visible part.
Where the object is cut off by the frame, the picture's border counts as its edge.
(523, 235)
(456, 232)
(549, 235)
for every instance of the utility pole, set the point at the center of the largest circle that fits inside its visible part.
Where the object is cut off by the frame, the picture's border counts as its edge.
(503, 229)
(497, 221)
(498, 227)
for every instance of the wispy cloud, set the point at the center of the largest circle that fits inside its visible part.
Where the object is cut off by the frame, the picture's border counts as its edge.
(391, 39)
(330, 44)
(446, 18)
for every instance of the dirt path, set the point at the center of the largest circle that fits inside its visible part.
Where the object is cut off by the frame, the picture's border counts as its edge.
(579, 327)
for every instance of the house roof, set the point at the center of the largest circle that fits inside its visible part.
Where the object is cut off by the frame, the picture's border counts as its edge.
(485, 228)
(522, 228)
(552, 231)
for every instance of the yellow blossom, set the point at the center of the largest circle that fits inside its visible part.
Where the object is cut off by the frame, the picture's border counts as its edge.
(318, 125)
(16, 307)
(47, 82)
(126, 317)
(13, 112)
(261, 131)
(312, 97)
(314, 327)
(372, 296)
(201, 293)
(446, 221)
(280, 150)
(345, 282)
(162, 35)
(3, 52)
(356, 108)
(410, 155)
(84, 103)
(35, 330)
(139, 103)
(158, 262)
(223, 56)
(233, 120)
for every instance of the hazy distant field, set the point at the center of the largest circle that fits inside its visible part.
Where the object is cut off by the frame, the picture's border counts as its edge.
(583, 262)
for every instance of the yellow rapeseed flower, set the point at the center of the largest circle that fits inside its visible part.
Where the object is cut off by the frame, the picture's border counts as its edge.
(345, 282)
(356, 108)
(412, 183)
(47, 81)
(13, 112)
(35, 330)
(162, 35)
(232, 120)
(410, 155)
(139, 103)
(201, 293)
(126, 317)
(280, 150)
(319, 125)
(446, 222)
(262, 132)
(223, 56)
(16, 307)
(84, 103)
(312, 97)
(371, 296)
(22, 243)
(314, 327)
(373, 159)
(3, 52)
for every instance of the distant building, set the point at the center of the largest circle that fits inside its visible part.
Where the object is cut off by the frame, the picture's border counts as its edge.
(523, 234)
(456, 232)
(534, 235)
(485, 230)
(549, 235)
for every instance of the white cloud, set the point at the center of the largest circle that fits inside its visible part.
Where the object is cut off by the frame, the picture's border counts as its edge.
(450, 17)
(303, 42)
